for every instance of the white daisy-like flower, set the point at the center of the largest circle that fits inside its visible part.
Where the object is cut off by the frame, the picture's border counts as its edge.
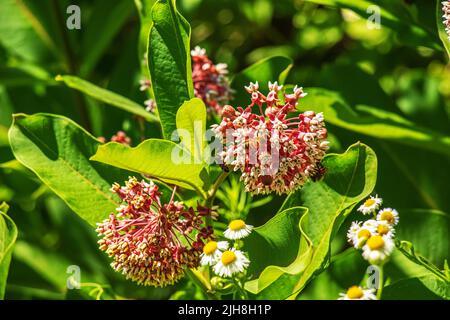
(358, 293)
(370, 205)
(385, 229)
(237, 229)
(212, 252)
(231, 261)
(377, 249)
(389, 215)
(357, 235)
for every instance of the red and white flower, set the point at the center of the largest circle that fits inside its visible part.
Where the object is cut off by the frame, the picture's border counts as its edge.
(210, 81)
(274, 152)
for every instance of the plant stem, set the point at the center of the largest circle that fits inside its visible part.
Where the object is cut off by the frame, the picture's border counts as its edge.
(380, 283)
(212, 194)
(201, 285)
(72, 64)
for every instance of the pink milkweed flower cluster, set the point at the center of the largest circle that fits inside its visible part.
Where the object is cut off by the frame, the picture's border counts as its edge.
(274, 152)
(120, 137)
(446, 16)
(152, 242)
(210, 81)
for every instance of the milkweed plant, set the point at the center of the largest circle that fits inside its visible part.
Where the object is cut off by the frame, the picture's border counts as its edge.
(181, 199)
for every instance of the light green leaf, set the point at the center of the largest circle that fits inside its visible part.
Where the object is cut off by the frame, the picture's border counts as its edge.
(270, 69)
(441, 27)
(144, 8)
(165, 160)
(57, 150)
(107, 96)
(8, 236)
(350, 177)
(153, 157)
(373, 122)
(169, 62)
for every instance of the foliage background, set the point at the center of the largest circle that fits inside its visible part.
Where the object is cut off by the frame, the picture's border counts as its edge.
(389, 69)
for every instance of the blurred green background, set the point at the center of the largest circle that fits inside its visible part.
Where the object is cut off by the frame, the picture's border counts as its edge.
(332, 48)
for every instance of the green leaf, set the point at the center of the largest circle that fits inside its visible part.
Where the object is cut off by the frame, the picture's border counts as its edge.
(441, 27)
(106, 96)
(8, 236)
(428, 230)
(179, 164)
(350, 177)
(57, 150)
(416, 289)
(107, 25)
(408, 30)
(281, 237)
(144, 8)
(169, 62)
(23, 33)
(373, 122)
(270, 69)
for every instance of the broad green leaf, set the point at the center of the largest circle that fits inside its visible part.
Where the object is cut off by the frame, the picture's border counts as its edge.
(8, 236)
(408, 30)
(282, 238)
(350, 177)
(169, 62)
(373, 122)
(441, 27)
(191, 119)
(428, 231)
(107, 26)
(57, 150)
(153, 157)
(106, 96)
(270, 69)
(165, 160)
(416, 289)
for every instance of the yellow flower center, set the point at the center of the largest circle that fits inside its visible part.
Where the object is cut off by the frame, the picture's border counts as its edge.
(364, 233)
(387, 216)
(369, 202)
(236, 225)
(355, 292)
(210, 247)
(383, 229)
(228, 257)
(375, 242)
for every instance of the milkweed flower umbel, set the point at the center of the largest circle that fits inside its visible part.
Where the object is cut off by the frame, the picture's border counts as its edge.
(358, 293)
(210, 81)
(152, 242)
(274, 152)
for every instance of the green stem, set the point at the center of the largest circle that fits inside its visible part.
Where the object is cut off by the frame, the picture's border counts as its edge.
(380, 283)
(240, 289)
(212, 194)
(201, 285)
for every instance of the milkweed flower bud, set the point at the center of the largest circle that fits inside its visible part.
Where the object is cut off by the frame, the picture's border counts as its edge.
(274, 153)
(152, 242)
(210, 81)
